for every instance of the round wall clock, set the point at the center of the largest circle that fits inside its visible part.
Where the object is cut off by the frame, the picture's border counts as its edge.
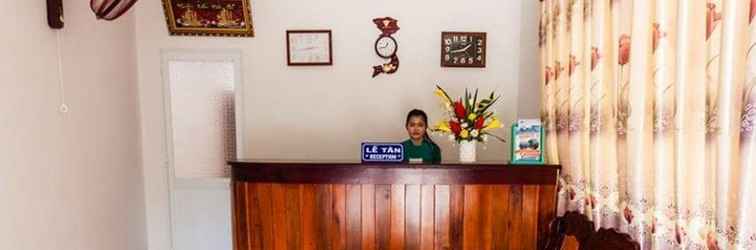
(386, 47)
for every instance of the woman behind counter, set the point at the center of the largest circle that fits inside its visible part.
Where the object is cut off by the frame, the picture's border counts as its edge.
(420, 147)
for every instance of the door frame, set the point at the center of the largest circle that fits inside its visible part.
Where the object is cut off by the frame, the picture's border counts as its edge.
(197, 55)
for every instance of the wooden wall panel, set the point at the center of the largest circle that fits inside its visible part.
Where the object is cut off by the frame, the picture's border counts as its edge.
(456, 216)
(293, 217)
(529, 216)
(427, 223)
(323, 216)
(240, 216)
(412, 217)
(368, 217)
(514, 219)
(316, 213)
(254, 223)
(391, 216)
(442, 217)
(265, 207)
(477, 217)
(396, 217)
(280, 222)
(338, 221)
(354, 219)
(546, 212)
(382, 216)
(500, 221)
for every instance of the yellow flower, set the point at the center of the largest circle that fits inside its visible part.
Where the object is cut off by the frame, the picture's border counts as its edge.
(443, 126)
(464, 134)
(472, 116)
(494, 123)
(441, 95)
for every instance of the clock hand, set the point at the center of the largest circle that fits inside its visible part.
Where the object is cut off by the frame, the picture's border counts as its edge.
(460, 50)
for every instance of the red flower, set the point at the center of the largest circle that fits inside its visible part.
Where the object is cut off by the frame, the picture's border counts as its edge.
(571, 193)
(712, 18)
(590, 200)
(657, 35)
(711, 241)
(595, 56)
(573, 64)
(624, 49)
(557, 70)
(479, 122)
(459, 110)
(628, 215)
(455, 127)
(753, 10)
(653, 226)
(679, 234)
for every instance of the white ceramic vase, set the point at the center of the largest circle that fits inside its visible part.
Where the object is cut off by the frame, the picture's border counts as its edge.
(467, 151)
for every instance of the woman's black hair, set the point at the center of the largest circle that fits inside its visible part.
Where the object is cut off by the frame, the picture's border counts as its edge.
(422, 115)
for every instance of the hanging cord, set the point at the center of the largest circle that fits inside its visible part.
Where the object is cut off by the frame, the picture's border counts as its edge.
(63, 108)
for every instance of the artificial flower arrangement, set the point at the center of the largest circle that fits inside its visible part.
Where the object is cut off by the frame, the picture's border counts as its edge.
(470, 119)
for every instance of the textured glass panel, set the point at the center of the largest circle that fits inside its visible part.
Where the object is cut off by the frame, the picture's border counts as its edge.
(202, 113)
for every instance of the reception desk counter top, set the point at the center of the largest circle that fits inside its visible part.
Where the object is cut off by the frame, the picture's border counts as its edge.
(358, 173)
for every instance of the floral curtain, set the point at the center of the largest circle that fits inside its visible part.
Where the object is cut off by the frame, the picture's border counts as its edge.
(649, 105)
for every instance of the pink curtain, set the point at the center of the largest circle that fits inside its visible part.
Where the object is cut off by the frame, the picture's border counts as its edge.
(650, 107)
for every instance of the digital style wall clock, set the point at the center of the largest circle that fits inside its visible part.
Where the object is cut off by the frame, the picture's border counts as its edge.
(463, 49)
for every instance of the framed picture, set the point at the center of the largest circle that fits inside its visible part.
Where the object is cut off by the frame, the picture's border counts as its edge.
(308, 47)
(463, 49)
(209, 17)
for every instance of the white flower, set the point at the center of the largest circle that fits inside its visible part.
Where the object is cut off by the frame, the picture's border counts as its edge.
(485, 138)
(464, 125)
(451, 137)
(474, 133)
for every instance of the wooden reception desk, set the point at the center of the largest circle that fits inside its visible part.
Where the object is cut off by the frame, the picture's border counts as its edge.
(332, 206)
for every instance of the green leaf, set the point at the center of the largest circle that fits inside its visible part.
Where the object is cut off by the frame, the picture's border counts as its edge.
(467, 99)
(489, 104)
(445, 94)
(475, 101)
(483, 103)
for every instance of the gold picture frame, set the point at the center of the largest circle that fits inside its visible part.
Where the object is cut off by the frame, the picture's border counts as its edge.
(209, 17)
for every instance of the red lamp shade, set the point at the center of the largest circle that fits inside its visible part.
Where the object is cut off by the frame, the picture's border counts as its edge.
(110, 9)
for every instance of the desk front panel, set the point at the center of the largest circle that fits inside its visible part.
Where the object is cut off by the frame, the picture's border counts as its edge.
(334, 206)
(396, 216)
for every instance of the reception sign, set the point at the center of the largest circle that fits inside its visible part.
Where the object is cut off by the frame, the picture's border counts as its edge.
(382, 152)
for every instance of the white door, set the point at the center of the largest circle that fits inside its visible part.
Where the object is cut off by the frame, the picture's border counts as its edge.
(201, 96)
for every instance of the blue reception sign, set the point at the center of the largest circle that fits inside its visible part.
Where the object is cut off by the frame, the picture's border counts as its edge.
(382, 152)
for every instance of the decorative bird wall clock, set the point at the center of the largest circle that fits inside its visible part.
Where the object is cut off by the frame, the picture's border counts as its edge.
(386, 46)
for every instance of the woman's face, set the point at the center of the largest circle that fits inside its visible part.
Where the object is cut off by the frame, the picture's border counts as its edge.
(416, 127)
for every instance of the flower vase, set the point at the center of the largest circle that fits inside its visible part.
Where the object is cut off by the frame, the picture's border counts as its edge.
(467, 151)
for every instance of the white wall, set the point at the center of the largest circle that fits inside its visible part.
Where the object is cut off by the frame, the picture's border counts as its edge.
(529, 88)
(73, 180)
(323, 113)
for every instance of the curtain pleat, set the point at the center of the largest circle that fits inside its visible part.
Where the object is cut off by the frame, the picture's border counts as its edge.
(649, 106)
